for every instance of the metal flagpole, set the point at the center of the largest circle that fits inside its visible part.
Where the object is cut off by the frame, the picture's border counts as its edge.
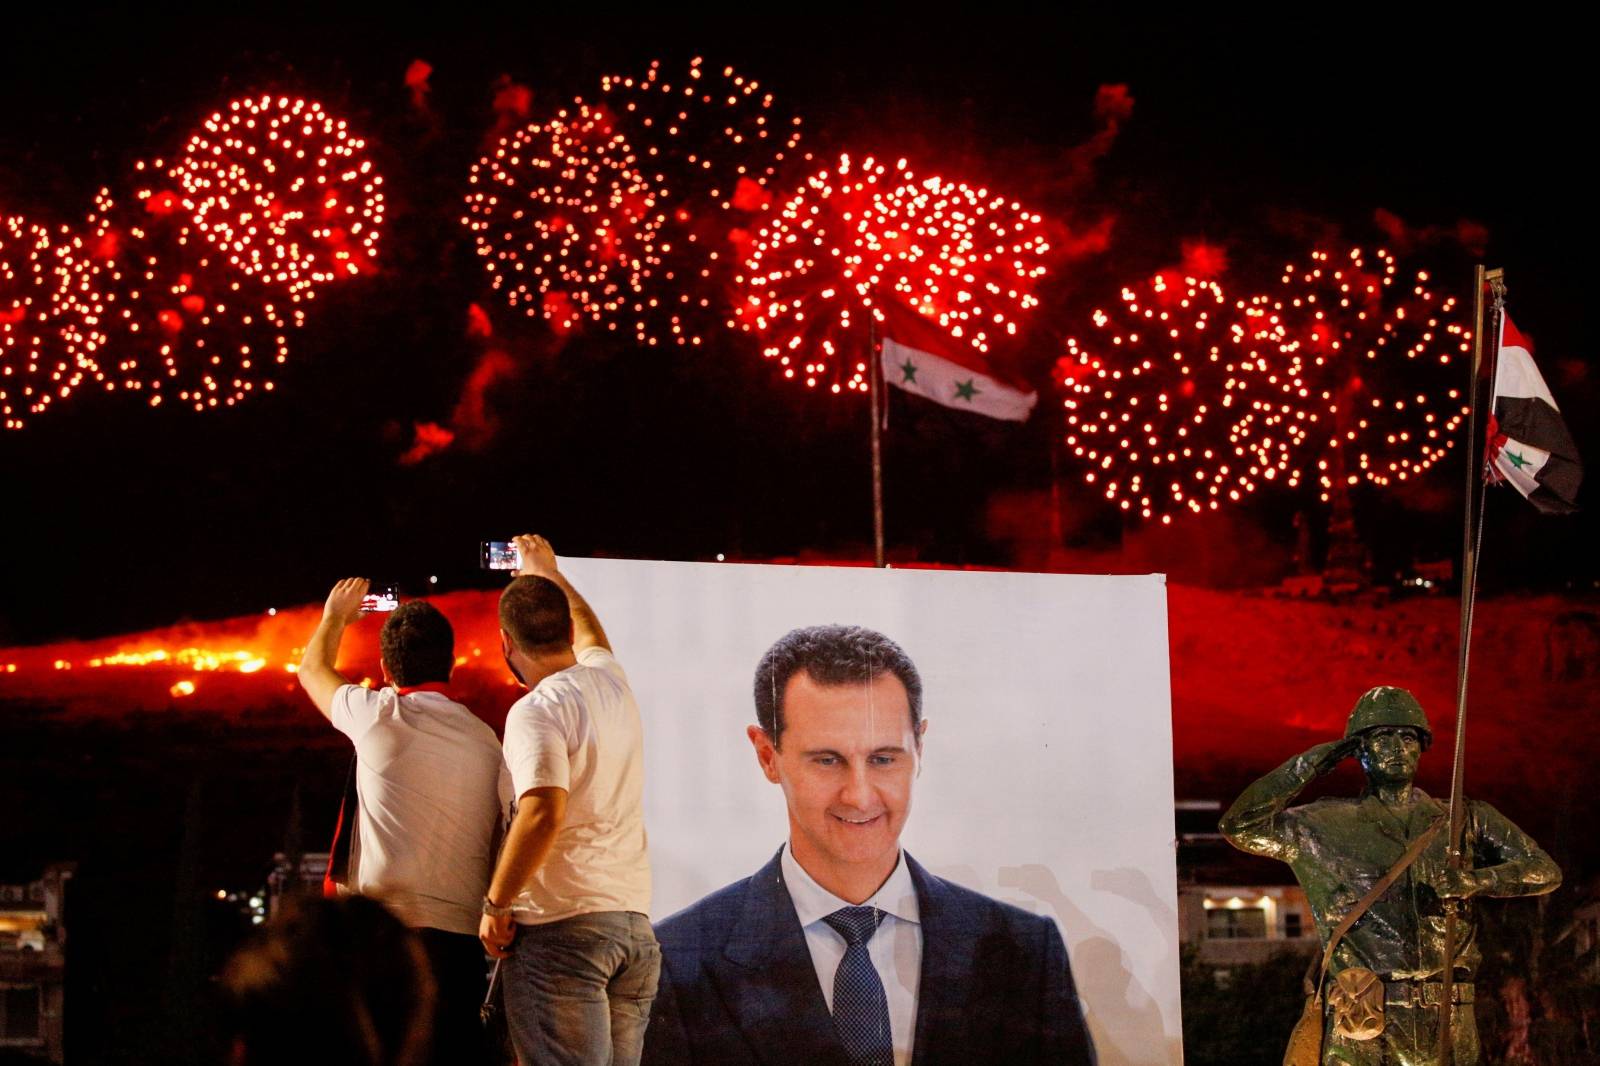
(875, 395)
(1472, 543)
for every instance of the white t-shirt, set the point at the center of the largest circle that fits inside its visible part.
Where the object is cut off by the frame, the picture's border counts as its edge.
(428, 774)
(579, 729)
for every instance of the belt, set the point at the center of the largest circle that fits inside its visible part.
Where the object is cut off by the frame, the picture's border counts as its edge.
(1398, 992)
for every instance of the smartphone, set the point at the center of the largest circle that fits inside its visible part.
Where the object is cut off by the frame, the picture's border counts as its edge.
(381, 597)
(499, 555)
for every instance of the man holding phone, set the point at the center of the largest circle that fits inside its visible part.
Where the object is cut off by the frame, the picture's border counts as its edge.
(429, 789)
(568, 905)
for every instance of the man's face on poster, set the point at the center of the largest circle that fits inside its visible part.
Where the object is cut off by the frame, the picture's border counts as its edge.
(846, 761)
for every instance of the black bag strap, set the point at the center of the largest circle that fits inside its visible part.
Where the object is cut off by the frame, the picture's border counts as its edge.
(1318, 971)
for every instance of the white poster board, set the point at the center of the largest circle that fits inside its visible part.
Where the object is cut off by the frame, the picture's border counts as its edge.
(1047, 767)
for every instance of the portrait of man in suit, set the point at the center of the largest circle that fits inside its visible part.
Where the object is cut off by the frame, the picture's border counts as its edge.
(843, 950)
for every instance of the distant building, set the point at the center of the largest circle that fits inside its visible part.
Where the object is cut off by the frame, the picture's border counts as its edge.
(33, 964)
(1235, 908)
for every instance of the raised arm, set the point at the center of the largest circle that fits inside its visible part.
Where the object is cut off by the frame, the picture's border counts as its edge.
(1256, 822)
(317, 674)
(539, 560)
(540, 814)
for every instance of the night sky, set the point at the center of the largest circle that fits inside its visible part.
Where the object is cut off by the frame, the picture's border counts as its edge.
(1249, 136)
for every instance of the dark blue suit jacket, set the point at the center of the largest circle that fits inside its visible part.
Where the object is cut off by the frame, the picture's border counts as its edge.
(738, 986)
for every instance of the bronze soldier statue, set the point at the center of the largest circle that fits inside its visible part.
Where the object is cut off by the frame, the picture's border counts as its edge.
(1339, 849)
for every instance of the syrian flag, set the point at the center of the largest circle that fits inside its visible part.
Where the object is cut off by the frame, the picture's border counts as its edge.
(1529, 445)
(921, 358)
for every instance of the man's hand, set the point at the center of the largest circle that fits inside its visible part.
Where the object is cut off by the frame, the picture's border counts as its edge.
(497, 934)
(538, 558)
(1458, 884)
(344, 602)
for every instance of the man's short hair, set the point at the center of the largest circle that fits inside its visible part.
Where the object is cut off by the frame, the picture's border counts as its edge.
(534, 611)
(830, 655)
(417, 644)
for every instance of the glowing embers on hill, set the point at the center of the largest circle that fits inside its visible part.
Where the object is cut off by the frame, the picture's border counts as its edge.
(178, 668)
(189, 289)
(1186, 400)
(1162, 407)
(868, 239)
(631, 210)
(237, 665)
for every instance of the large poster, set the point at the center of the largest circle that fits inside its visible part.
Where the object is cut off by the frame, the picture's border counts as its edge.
(1045, 772)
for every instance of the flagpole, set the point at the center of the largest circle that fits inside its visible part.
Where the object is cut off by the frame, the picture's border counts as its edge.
(876, 398)
(1471, 545)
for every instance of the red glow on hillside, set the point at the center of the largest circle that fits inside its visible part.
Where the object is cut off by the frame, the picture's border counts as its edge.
(1254, 679)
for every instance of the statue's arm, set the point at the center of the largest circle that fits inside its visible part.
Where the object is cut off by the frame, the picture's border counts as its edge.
(1506, 861)
(1257, 821)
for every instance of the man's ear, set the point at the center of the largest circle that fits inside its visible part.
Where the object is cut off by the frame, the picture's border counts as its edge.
(766, 751)
(505, 643)
(388, 675)
(922, 731)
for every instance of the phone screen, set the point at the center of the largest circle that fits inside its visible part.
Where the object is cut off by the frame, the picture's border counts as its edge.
(499, 555)
(381, 598)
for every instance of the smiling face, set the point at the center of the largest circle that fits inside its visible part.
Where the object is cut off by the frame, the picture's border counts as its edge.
(848, 759)
(1389, 754)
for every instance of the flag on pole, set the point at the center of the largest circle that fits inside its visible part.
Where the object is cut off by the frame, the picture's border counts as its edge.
(1529, 445)
(921, 358)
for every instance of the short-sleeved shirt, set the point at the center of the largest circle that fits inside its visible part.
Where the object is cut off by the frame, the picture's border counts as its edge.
(428, 776)
(579, 730)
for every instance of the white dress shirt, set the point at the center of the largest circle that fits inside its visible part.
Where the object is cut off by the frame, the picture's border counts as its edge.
(896, 948)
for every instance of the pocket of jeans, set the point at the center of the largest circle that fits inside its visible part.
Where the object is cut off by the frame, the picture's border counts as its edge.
(644, 970)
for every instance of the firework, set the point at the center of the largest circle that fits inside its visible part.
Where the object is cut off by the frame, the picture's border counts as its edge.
(1165, 404)
(280, 188)
(630, 211)
(1187, 400)
(190, 291)
(48, 334)
(35, 369)
(867, 241)
(181, 321)
(1369, 352)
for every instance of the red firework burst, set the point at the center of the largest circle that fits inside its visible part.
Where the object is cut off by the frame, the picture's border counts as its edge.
(281, 188)
(191, 292)
(630, 211)
(868, 239)
(180, 319)
(47, 341)
(1167, 415)
(1192, 401)
(1369, 352)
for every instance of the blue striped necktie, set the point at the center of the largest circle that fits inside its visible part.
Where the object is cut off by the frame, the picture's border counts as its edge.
(860, 1008)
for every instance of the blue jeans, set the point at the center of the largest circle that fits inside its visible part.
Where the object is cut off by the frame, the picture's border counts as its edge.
(578, 991)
